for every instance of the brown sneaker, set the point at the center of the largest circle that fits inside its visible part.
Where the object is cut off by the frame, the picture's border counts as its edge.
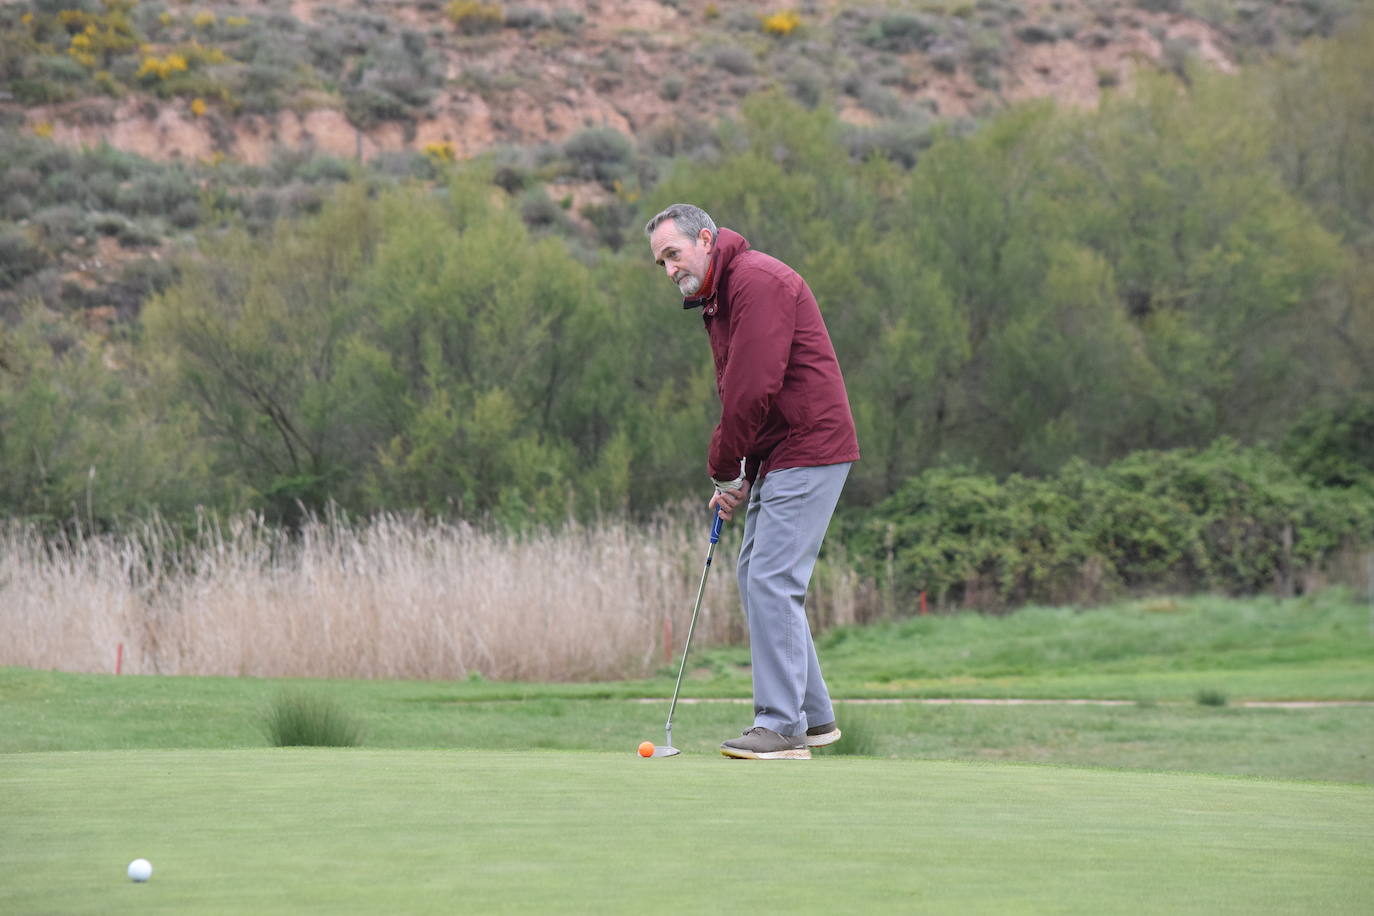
(821, 735)
(759, 743)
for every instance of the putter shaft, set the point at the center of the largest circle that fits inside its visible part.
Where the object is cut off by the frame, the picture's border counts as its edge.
(696, 608)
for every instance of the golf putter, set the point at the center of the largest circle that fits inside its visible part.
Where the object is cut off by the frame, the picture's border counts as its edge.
(666, 749)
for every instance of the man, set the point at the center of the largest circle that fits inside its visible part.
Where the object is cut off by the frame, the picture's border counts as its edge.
(782, 450)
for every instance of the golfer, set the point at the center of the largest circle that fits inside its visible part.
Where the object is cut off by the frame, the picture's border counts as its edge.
(781, 452)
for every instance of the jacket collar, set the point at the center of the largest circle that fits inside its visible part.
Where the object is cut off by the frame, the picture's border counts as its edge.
(728, 244)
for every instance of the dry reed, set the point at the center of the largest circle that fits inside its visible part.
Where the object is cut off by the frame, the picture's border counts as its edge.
(391, 597)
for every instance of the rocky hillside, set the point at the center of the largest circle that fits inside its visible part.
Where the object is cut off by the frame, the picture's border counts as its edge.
(126, 126)
(357, 79)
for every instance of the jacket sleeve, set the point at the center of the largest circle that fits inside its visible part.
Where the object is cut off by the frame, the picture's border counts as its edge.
(762, 319)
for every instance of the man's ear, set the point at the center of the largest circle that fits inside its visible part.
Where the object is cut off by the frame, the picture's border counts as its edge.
(707, 239)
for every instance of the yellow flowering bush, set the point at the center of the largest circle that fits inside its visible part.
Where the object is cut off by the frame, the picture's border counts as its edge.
(781, 24)
(97, 38)
(439, 153)
(162, 67)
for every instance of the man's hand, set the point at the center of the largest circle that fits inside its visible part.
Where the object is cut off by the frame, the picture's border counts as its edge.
(727, 500)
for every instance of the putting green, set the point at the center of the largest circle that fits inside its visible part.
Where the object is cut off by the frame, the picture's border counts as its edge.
(336, 831)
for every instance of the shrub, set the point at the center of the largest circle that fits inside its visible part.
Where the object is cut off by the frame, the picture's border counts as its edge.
(60, 224)
(986, 47)
(945, 60)
(1335, 447)
(1229, 519)
(19, 258)
(16, 207)
(526, 18)
(367, 107)
(539, 212)
(395, 77)
(880, 100)
(568, 21)
(155, 193)
(185, 214)
(805, 81)
(599, 153)
(734, 60)
(1038, 33)
(900, 141)
(474, 18)
(900, 32)
(781, 24)
(612, 220)
(297, 719)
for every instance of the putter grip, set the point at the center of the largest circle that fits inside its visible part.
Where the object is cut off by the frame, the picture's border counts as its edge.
(715, 528)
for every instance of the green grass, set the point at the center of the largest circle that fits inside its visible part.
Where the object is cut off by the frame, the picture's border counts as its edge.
(489, 797)
(1328, 635)
(1205, 645)
(343, 831)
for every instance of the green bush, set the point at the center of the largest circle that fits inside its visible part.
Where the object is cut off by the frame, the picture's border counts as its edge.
(899, 141)
(901, 32)
(1335, 447)
(805, 81)
(1228, 518)
(734, 60)
(599, 153)
(19, 258)
(526, 18)
(1038, 33)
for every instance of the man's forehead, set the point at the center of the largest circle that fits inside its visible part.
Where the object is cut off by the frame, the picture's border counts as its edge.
(667, 235)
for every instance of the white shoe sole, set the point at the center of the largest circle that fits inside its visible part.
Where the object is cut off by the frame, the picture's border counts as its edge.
(792, 753)
(829, 737)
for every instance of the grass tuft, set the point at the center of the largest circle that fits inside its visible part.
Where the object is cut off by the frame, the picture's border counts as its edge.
(1210, 697)
(297, 719)
(859, 731)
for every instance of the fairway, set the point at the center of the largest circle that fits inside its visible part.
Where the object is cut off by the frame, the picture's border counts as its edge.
(316, 830)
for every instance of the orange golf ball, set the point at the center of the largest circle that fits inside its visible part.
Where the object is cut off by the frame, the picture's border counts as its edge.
(646, 749)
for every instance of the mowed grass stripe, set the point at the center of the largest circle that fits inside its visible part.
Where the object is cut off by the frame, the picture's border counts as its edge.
(314, 830)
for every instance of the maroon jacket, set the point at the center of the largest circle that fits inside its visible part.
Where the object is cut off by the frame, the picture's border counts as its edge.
(783, 400)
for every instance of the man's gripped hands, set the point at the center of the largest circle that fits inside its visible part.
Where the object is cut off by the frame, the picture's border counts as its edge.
(727, 499)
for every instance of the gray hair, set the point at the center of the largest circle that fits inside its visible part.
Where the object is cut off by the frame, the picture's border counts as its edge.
(689, 220)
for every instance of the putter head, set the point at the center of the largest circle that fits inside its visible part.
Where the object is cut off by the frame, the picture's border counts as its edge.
(668, 751)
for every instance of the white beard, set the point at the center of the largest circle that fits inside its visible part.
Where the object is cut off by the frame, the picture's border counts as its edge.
(689, 285)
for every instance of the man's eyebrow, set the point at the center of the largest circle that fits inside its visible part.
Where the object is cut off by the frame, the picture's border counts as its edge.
(664, 253)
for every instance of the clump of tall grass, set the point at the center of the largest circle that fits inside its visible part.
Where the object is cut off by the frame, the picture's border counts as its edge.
(859, 730)
(298, 719)
(1210, 697)
(393, 596)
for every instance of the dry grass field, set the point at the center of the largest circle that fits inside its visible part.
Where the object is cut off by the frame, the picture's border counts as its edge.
(392, 597)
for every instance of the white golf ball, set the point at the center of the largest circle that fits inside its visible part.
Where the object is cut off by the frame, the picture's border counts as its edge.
(140, 870)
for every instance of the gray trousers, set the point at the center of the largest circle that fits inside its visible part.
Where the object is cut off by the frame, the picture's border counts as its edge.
(783, 529)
